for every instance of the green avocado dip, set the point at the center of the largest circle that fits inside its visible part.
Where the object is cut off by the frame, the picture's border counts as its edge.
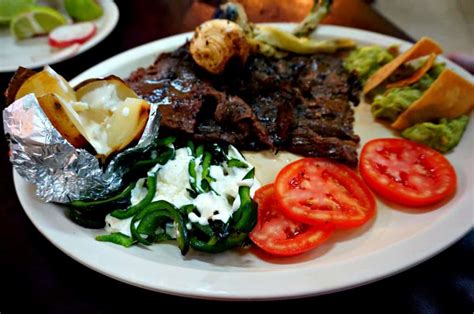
(394, 101)
(442, 136)
(364, 61)
(391, 104)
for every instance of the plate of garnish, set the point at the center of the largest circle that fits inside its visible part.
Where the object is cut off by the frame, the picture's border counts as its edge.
(34, 33)
(249, 161)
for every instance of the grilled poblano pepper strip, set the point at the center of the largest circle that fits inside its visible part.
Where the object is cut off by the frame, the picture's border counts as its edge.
(90, 219)
(116, 238)
(152, 214)
(206, 229)
(89, 205)
(132, 210)
(236, 163)
(199, 151)
(318, 12)
(206, 179)
(166, 141)
(245, 217)
(204, 185)
(213, 246)
(166, 155)
(162, 237)
(193, 176)
(190, 146)
(148, 225)
(187, 209)
(151, 221)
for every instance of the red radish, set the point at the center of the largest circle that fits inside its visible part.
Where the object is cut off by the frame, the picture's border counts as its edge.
(67, 35)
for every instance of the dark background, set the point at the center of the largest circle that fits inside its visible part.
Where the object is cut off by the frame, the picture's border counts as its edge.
(35, 277)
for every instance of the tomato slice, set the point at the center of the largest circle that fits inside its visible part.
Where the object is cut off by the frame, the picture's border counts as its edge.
(406, 172)
(320, 192)
(279, 235)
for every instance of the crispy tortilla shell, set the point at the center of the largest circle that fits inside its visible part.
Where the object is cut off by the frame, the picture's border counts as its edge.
(415, 77)
(423, 47)
(450, 96)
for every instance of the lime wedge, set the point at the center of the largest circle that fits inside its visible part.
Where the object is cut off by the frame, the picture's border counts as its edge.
(36, 21)
(10, 8)
(83, 10)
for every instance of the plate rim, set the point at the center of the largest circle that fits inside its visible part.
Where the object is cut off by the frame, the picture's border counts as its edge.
(111, 12)
(220, 292)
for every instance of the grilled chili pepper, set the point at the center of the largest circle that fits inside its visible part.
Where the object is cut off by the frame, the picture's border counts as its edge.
(117, 238)
(213, 246)
(132, 210)
(245, 217)
(152, 214)
(236, 163)
(89, 205)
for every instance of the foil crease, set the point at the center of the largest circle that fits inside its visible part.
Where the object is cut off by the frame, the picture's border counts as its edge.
(61, 172)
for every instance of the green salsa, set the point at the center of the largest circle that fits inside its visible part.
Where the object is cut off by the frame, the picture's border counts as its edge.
(364, 61)
(442, 136)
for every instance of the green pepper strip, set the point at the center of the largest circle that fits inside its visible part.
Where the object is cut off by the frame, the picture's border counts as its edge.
(206, 229)
(236, 163)
(206, 166)
(166, 141)
(186, 209)
(151, 221)
(148, 224)
(190, 145)
(199, 150)
(91, 220)
(165, 156)
(116, 238)
(230, 242)
(193, 176)
(85, 205)
(166, 209)
(206, 178)
(162, 237)
(144, 165)
(132, 210)
(245, 217)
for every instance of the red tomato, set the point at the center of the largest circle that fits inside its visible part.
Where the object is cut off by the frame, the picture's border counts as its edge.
(406, 172)
(318, 192)
(278, 234)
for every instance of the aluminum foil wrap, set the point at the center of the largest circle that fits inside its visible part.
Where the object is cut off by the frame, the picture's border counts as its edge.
(61, 172)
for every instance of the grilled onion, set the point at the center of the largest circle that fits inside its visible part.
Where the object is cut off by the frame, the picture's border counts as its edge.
(216, 42)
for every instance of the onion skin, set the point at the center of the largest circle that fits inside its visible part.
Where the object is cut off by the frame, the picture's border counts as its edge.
(216, 42)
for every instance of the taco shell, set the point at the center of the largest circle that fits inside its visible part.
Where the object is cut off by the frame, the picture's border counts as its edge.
(417, 75)
(449, 96)
(425, 46)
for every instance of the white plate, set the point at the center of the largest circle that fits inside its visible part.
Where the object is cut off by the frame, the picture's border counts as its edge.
(35, 52)
(395, 240)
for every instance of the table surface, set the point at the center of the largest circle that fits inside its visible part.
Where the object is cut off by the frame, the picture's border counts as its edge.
(47, 280)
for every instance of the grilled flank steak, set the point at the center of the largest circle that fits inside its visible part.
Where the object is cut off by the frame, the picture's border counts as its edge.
(301, 104)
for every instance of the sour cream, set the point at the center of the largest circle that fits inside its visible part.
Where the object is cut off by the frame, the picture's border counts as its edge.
(173, 186)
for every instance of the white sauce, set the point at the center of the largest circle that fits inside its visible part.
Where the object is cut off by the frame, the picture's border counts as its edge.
(113, 224)
(103, 98)
(173, 182)
(125, 111)
(100, 103)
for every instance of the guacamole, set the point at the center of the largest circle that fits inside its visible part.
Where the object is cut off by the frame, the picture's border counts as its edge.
(391, 104)
(366, 60)
(442, 136)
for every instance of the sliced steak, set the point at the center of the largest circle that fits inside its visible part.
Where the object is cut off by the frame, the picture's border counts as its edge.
(300, 103)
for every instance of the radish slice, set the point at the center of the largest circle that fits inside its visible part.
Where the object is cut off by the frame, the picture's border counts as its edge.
(67, 35)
